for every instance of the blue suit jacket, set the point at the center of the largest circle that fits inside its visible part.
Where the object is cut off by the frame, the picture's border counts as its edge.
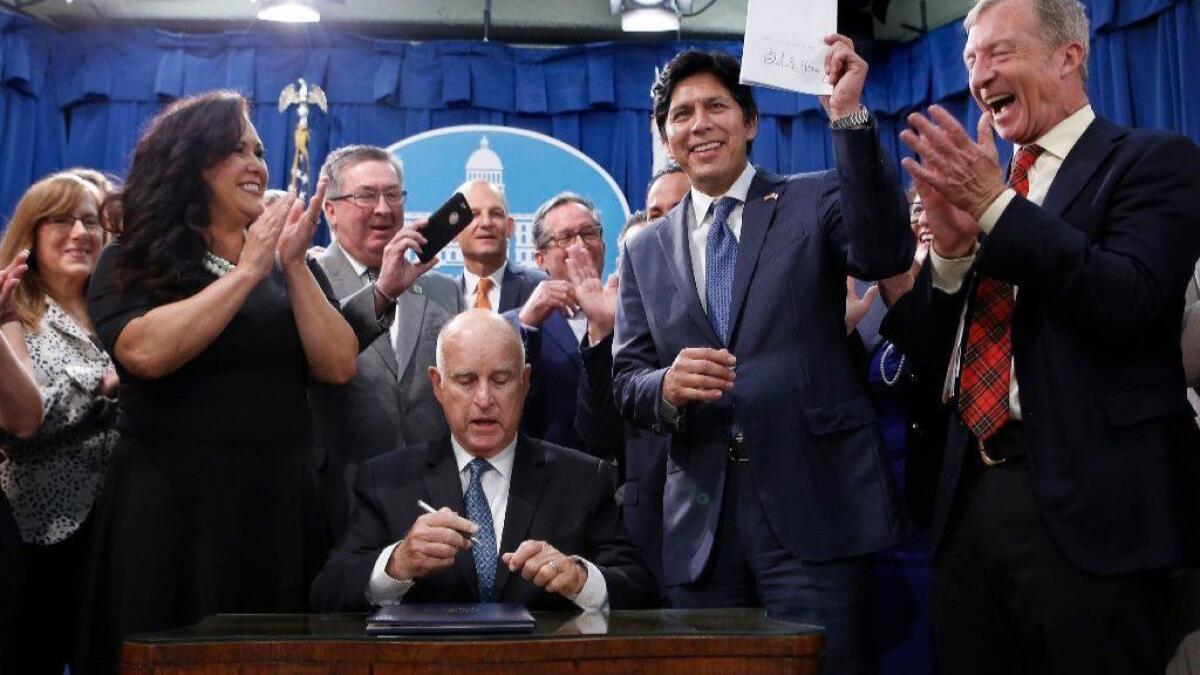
(553, 387)
(1101, 269)
(809, 427)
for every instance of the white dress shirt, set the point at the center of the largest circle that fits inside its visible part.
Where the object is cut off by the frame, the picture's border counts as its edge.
(383, 589)
(471, 282)
(948, 273)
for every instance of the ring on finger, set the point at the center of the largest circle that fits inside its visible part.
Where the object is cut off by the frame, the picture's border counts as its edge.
(554, 566)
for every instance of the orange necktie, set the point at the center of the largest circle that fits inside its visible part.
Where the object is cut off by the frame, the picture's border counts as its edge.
(481, 294)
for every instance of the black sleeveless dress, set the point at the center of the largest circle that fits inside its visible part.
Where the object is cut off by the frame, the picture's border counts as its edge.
(209, 503)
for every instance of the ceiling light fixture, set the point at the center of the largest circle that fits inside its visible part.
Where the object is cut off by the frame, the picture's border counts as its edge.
(289, 11)
(650, 16)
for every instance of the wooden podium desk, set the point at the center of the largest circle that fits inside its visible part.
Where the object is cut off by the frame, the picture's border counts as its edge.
(658, 642)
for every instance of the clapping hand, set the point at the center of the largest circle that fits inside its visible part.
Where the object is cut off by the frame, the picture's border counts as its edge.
(301, 224)
(856, 307)
(548, 296)
(597, 300)
(262, 238)
(965, 172)
(10, 277)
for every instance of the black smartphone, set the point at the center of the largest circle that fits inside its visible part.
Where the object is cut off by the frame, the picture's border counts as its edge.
(444, 225)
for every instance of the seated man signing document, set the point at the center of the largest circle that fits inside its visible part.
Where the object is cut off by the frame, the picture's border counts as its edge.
(518, 520)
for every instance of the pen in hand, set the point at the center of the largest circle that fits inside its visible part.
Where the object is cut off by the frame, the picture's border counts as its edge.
(429, 509)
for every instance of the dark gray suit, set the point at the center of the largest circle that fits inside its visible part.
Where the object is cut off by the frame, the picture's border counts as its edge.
(390, 402)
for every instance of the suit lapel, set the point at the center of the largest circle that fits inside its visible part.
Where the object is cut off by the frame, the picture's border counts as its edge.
(1097, 141)
(510, 288)
(444, 488)
(528, 483)
(673, 235)
(757, 215)
(345, 283)
(559, 332)
(410, 313)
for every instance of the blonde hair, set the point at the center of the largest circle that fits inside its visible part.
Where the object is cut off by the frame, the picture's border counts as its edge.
(55, 195)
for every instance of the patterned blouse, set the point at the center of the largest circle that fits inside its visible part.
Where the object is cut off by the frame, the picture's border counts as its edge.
(53, 478)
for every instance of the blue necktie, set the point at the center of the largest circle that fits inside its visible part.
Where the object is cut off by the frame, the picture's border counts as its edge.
(480, 513)
(720, 259)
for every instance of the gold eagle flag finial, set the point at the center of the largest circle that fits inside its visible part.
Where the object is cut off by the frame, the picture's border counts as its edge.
(301, 96)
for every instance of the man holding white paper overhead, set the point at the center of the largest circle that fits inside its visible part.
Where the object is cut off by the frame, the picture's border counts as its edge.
(730, 339)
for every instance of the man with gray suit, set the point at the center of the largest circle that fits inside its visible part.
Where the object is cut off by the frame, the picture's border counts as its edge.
(397, 308)
(489, 279)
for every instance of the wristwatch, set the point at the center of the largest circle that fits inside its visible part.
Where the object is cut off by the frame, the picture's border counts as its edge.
(856, 120)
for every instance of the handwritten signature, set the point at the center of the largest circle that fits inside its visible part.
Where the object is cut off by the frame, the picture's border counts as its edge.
(781, 59)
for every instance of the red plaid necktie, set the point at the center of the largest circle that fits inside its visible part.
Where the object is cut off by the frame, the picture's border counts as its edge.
(984, 382)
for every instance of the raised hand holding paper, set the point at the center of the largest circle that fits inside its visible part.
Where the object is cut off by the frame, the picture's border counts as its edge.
(784, 45)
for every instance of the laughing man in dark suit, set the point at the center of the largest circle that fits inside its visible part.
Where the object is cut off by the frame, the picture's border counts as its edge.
(549, 532)
(1062, 502)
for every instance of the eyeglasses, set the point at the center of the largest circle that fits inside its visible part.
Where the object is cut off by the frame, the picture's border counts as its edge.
(365, 199)
(589, 235)
(65, 223)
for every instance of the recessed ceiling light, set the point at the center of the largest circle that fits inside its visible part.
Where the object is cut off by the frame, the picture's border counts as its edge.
(289, 11)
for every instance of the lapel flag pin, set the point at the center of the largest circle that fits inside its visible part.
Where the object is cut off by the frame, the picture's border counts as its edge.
(771, 196)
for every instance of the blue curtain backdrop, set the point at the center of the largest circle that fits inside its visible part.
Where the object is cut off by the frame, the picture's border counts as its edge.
(80, 98)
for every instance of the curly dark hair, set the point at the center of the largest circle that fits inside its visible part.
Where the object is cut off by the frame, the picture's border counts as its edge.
(163, 211)
(685, 64)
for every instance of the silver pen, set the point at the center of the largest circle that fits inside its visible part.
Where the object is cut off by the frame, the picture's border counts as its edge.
(429, 509)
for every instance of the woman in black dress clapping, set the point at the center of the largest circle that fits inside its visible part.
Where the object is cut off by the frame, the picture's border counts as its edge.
(216, 322)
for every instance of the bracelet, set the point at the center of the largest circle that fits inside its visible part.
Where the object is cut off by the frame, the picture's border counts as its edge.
(887, 351)
(858, 119)
(383, 295)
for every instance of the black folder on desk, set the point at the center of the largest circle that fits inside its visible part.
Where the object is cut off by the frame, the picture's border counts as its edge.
(438, 619)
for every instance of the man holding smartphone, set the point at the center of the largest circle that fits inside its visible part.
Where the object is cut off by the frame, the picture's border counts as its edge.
(396, 306)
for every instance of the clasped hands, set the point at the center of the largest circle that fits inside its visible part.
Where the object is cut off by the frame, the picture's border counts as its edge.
(435, 539)
(957, 178)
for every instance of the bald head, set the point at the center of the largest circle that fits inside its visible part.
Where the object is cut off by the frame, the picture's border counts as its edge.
(480, 380)
(478, 327)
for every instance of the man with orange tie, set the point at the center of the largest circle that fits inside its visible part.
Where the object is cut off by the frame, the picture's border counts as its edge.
(489, 280)
(1051, 306)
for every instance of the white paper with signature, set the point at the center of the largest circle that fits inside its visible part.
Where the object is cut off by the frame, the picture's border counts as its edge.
(785, 44)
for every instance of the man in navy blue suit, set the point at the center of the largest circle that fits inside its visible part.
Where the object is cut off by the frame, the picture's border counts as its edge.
(567, 324)
(730, 337)
(1063, 501)
(489, 279)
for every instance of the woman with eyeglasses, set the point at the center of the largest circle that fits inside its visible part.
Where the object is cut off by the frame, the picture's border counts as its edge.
(216, 322)
(52, 461)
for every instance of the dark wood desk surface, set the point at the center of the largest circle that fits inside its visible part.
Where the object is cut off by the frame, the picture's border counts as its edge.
(695, 642)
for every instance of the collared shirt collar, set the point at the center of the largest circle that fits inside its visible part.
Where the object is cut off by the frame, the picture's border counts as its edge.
(739, 190)
(502, 462)
(471, 280)
(359, 268)
(1064, 135)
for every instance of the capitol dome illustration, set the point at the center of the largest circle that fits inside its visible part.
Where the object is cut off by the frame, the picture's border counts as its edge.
(485, 164)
